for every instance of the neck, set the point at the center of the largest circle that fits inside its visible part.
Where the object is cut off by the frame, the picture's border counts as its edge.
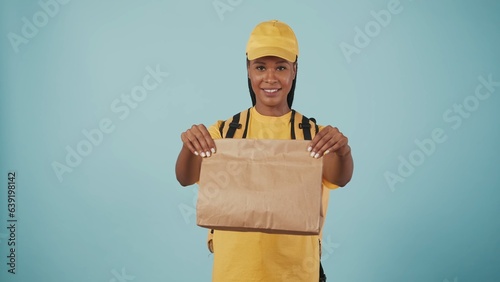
(272, 111)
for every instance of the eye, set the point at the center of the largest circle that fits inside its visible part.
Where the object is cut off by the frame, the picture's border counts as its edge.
(260, 68)
(281, 68)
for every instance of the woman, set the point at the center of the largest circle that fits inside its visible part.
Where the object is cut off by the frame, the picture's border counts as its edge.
(272, 53)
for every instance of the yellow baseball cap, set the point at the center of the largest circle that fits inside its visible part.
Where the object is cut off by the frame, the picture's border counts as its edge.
(273, 38)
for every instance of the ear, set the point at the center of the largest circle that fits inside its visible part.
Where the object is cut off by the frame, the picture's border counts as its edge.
(295, 70)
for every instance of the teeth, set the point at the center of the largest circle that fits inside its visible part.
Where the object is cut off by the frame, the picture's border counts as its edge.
(270, 90)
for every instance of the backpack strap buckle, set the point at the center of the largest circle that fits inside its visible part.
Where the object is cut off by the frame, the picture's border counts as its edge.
(235, 125)
(304, 125)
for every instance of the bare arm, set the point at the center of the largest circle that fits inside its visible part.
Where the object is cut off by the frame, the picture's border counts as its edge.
(338, 165)
(338, 169)
(187, 167)
(197, 144)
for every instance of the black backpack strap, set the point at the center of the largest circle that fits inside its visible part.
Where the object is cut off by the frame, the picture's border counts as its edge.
(233, 126)
(306, 128)
(221, 128)
(322, 276)
(246, 124)
(315, 124)
(292, 126)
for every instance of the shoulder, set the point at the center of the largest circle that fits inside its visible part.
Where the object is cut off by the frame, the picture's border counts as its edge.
(214, 129)
(311, 118)
(220, 126)
(307, 118)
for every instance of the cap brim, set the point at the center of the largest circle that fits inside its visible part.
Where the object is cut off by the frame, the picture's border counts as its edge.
(271, 51)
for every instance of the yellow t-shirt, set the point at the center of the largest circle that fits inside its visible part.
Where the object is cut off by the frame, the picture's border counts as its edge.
(257, 256)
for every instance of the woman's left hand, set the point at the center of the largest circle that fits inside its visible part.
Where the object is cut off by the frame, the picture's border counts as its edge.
(329, 140)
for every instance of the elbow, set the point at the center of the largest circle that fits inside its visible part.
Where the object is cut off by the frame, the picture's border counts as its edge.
(187, 172)
(346, 177)
(343, 183)
(183, 182)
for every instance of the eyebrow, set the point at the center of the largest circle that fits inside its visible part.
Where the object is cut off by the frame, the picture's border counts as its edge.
(263, 63)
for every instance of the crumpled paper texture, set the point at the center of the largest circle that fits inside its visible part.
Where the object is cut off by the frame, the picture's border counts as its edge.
(261, 185)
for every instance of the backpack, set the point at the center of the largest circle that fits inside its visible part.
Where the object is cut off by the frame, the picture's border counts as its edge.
(233, 128)
(237, 127)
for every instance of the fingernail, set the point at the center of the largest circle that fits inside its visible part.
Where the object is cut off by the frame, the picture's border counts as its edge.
(309, 148)
(213, 150)
(202, 154)
(208, 153)
(326, 152)
(196, 153)
(316, 156)
(312, 154)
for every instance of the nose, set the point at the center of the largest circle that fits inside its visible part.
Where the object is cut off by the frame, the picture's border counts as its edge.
(270, 76)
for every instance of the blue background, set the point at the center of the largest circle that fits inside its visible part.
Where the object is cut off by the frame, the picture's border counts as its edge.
(121, 212)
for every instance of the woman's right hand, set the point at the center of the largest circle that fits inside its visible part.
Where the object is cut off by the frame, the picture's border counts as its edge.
(197, 139)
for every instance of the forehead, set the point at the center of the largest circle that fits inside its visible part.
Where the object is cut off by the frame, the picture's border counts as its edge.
(269, 60)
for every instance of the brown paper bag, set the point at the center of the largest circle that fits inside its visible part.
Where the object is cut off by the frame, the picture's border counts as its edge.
(261, 185)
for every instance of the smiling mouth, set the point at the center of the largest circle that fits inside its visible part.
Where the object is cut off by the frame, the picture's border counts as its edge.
(271, 90)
